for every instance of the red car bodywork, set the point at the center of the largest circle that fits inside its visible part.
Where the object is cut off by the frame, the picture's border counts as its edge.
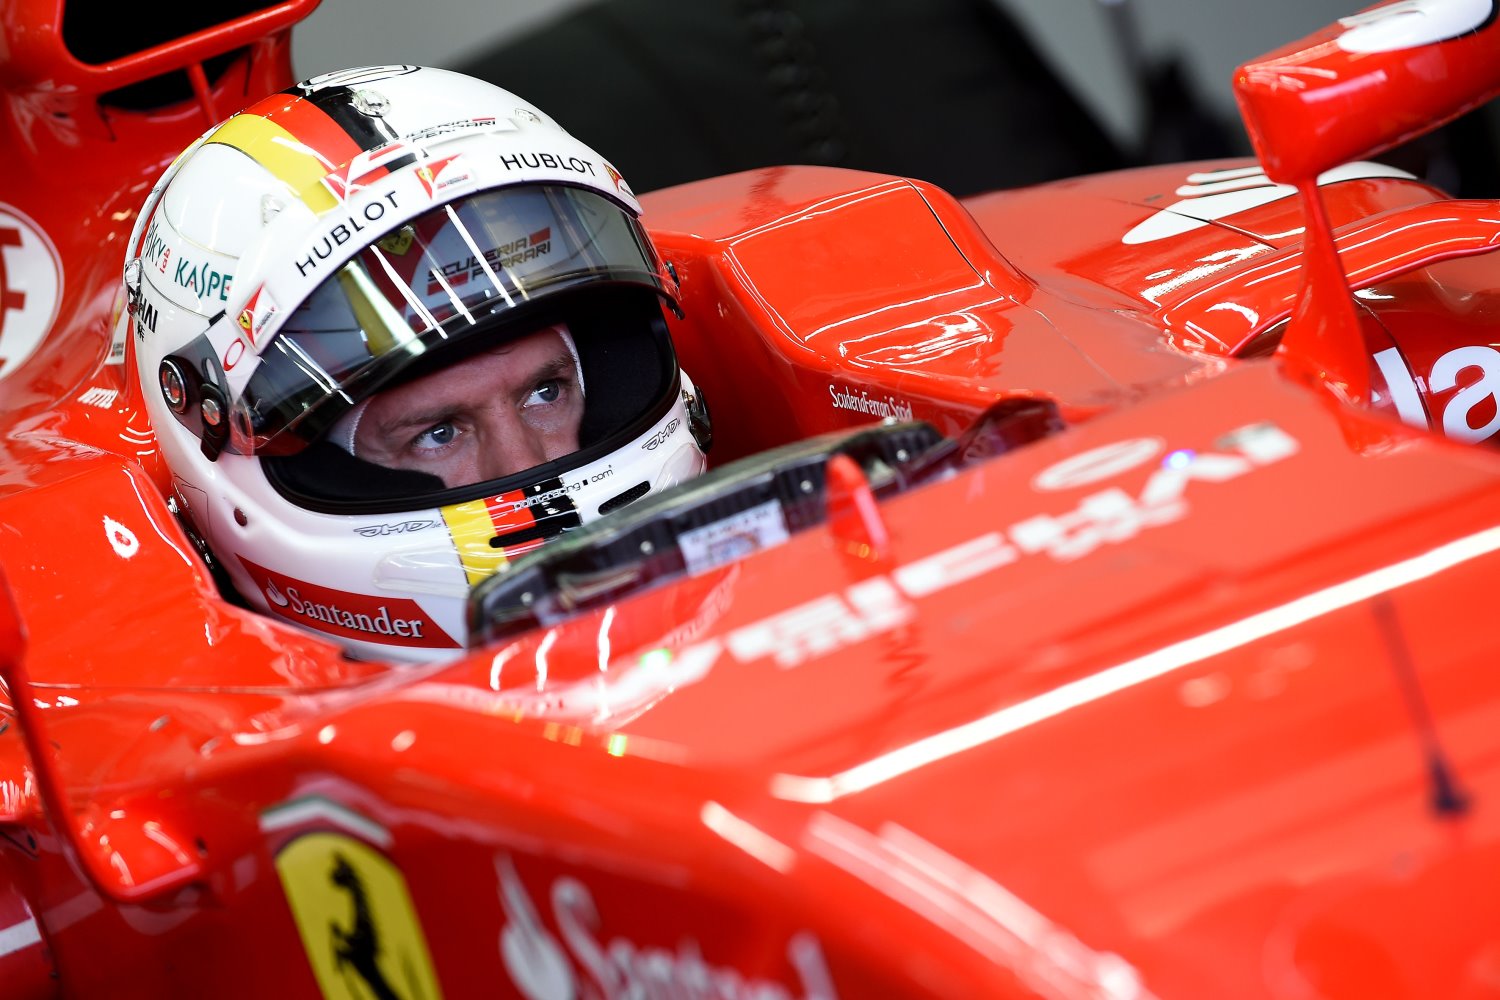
(1194, 698)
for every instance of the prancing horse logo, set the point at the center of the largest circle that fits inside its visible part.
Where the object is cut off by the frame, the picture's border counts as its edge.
(358, 945)
(354, 914)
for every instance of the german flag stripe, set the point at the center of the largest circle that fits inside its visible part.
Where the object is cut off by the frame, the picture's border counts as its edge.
(282, 153)
(338, 104)
(541, 521)
(313, 125)
(473, 529)
(301, 140)
(370, 132)
(489, 533)
(505, 516)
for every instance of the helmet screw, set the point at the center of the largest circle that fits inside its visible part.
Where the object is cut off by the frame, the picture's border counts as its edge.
(173, 386)
(240, 518)
(212, 413)
(371, 103)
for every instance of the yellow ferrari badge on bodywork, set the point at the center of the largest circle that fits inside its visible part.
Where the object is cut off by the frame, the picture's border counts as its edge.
(356, 920)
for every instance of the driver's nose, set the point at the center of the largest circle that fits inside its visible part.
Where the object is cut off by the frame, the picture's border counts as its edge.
(509, 445)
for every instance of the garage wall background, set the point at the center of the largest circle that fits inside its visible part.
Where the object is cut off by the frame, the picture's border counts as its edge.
(1079, 39)
(673, 90)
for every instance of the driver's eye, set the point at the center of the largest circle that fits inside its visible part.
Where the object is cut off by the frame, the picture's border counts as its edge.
(436, 436)
(547, 392)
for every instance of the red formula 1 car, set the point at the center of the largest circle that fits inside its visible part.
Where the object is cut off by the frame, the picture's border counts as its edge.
(1142, 654)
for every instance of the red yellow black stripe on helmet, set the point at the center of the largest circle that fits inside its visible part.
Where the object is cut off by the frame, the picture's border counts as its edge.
(302, 139)
(490, 533)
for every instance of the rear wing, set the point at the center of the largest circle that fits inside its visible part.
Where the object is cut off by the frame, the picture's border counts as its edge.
(1353, 90)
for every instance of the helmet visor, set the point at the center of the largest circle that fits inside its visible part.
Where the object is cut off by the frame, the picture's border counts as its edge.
(450, 275)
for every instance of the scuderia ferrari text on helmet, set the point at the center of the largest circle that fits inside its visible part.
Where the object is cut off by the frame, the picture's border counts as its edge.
(394, 327)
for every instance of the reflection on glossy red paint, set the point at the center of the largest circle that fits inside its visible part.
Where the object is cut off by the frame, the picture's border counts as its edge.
(1144, 707)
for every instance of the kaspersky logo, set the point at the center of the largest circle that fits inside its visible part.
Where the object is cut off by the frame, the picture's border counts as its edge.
(30, 287)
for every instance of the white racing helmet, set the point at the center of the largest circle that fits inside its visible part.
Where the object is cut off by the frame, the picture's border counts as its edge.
(359, 234)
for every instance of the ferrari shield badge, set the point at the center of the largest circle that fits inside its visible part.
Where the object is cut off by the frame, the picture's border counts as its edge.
(30, 287)
(356, 919)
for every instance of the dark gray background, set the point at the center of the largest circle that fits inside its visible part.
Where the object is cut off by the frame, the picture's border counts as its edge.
(970, 94)
(1075, 37)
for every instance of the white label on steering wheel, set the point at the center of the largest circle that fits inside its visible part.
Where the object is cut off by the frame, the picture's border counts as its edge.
(733, 537)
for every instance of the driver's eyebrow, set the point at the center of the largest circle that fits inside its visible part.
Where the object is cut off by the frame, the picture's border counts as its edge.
(417, 418)
(559, 366)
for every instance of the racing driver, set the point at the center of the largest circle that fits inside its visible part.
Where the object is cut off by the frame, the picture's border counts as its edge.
(394, 327)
